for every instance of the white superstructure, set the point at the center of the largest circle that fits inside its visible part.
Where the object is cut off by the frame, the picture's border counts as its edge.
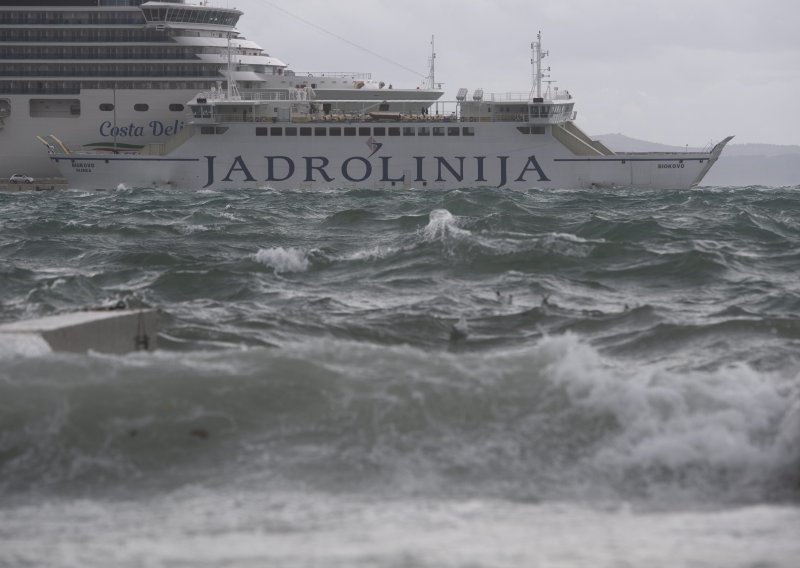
(117, 73)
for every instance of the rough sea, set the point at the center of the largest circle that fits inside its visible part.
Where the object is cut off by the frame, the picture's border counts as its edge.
(407, 378)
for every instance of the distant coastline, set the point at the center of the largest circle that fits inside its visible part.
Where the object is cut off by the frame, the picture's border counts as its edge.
(740, 164)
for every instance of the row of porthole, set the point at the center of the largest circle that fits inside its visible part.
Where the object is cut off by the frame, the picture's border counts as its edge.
(141, 107)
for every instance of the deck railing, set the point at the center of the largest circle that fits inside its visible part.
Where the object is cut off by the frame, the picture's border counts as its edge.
(356, 76)
(346, 117)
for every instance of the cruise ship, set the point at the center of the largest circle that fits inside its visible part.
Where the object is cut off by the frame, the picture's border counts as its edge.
(118, 73)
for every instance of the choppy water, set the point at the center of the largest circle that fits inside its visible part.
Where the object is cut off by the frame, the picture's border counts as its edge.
(407, 378)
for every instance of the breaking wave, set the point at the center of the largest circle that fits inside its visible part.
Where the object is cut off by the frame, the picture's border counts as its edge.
(548, 421)
(283, 259)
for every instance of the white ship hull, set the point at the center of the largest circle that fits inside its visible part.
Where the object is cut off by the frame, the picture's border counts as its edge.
(92, 128)
(497, 155)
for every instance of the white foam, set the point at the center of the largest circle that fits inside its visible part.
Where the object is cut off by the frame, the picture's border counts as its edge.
(570, 237)
(734, 420)
(190, 229)
(22, 345)
(281, 259)
(442, 224)
(275, 527)
(568, 244)
(373, 253)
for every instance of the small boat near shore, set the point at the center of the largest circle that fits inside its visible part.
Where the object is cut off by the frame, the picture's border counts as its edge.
(291, 139)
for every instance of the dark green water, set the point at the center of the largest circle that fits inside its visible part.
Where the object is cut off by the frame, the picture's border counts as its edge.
(334, 362)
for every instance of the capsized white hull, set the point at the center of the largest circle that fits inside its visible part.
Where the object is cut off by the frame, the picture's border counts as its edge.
(497, 155)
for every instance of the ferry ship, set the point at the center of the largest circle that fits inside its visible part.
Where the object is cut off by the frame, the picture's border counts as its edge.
(118, 73)
(288, 140)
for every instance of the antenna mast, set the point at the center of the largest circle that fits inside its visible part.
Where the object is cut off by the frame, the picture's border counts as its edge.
(432, 71)
(536, 61)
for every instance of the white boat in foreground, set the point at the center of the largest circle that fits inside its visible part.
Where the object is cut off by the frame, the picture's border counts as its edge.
(293, 140)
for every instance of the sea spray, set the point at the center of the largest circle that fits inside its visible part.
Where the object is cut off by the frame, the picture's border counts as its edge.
(283, 260)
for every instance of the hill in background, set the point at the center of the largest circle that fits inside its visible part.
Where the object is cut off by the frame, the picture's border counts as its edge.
(740, 164)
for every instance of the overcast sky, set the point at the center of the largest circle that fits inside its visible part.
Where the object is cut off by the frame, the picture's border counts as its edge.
(679, 72)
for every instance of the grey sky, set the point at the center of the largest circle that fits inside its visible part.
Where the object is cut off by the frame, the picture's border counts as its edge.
(678, 72)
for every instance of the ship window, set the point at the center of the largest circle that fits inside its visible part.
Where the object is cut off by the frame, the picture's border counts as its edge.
(276, 131)
(438, 130)
(141, 107)
(291, 131)
(349, 130)
(206, 130)
(305, 131)
(453, 131)
(408, 131)
(262, 131)
(469, 131)
(423, 131)
(336, 131)
(531, 129)
(364, 131)
(107, 107)
(380, 131)
(320, 131)
(176, 108)
(394, 131)
(55, 108)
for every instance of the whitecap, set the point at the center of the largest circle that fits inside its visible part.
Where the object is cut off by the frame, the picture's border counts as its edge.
(729, 423)
(189, 229)
(373, 253)
(23, 345)
(442, 224)
(281, 259)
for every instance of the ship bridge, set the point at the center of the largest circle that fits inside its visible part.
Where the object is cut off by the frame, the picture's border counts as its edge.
(177, 15)
(518, 107)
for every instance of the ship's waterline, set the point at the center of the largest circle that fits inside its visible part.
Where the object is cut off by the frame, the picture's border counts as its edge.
(342, 161)
(238, 171)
